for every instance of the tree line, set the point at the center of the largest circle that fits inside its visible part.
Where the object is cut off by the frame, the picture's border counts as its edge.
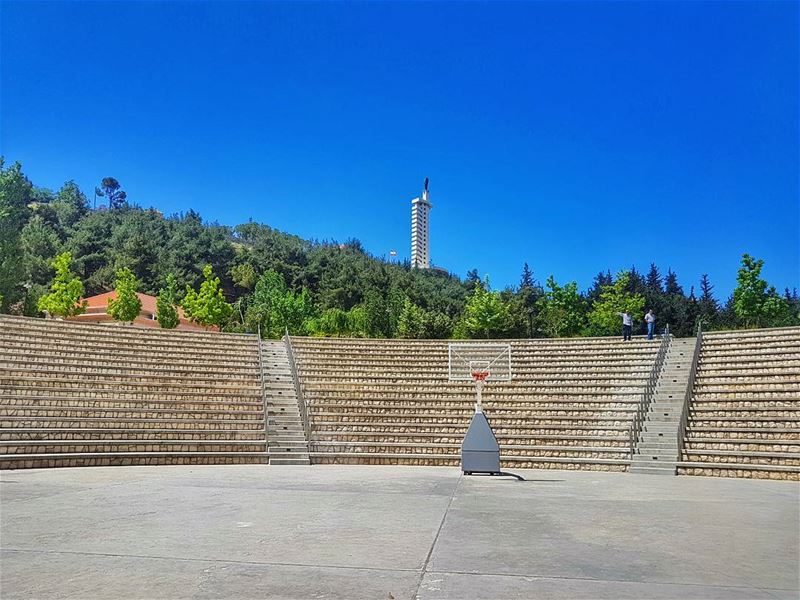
(55, 249)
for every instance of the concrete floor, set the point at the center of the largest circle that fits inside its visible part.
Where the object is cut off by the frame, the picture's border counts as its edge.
(392, 532)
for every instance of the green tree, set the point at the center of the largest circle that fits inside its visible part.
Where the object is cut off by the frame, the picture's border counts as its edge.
(111, 189)
(357, 322)
(166, 304)
(438, 325)
(127, 305)
(598, 283)
(523, 306)
(69, 206)
(64, 300)
(15, 196)
(135, 245)
(708, 307)
(561, 310)
(411, 323)
(244, 276)
(39, 244)
(604, 318)
(331, 323)
(755, 303)
(207, 306)
(276, 308)
(485, 316)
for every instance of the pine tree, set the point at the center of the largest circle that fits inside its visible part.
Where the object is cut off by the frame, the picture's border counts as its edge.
(636, 283)
(126, 306)
(600, 281)
(692, 309)
(527, 295)
(473, 280)
(15, 197)
(671, 285)
(111, 189)
(526, 281)
(706, 290)
(654, 278)
(708, 307)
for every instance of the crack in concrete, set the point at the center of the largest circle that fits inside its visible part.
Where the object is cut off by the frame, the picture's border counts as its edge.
(436, 537)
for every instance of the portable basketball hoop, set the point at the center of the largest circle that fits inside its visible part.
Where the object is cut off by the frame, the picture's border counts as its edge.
(480, 363)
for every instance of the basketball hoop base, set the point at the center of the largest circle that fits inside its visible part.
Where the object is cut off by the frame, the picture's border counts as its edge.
(498, 474)
(480, 452)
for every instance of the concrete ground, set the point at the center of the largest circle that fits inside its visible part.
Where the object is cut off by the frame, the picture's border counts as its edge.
(252, 531)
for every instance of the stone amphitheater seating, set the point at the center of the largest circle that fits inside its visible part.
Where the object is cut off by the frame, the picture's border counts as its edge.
(87, 394)
(744, 418)
(570, 404)
(76, 394)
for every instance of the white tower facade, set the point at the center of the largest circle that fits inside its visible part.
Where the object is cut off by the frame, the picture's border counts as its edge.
(420, 239)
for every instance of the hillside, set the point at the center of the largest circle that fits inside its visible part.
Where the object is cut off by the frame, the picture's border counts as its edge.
(331, 288)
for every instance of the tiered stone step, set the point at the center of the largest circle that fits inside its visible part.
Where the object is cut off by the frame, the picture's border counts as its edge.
(657, 444)
(569, 405)
(285, 432)
(744, 419)
(90, 394)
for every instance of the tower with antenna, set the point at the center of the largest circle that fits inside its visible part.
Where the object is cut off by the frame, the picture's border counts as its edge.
(420, 239)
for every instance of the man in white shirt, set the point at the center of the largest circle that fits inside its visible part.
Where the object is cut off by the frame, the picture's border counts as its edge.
(627, 324)
(650, 318)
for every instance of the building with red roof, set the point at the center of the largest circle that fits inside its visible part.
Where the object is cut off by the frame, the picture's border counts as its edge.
(97, 312)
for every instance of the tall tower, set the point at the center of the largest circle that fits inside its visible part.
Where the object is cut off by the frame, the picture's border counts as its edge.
(420, 240)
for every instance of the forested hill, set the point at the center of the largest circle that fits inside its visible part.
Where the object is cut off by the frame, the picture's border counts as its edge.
(279, 280)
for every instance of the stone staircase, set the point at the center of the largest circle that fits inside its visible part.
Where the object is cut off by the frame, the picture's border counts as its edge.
(285, 434)
(656, 451)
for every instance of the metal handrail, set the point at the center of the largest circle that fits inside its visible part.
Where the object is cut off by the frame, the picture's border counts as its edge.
(643, 406)
(301, 402)
(263, 389)
(684, 420)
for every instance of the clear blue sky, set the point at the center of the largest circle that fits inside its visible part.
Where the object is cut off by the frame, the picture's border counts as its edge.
(552, 133)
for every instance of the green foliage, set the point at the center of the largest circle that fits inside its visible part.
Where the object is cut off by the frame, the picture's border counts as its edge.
(166, 304)
(561, 310)
(754, 302)
(604, 318)
(207, 306)
(332, 322)
(111, 189)
(411, 323)
(485, 316)
(64, 300)
(335, 322)
(277, 309)
(40, 243)
(244, 276)
(126, 306)
(15, 195)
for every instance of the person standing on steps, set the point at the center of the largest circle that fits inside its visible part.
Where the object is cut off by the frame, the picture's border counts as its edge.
(650, 319)
(627, 324)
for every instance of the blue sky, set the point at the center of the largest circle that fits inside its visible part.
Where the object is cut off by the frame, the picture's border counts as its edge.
(574, 136)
